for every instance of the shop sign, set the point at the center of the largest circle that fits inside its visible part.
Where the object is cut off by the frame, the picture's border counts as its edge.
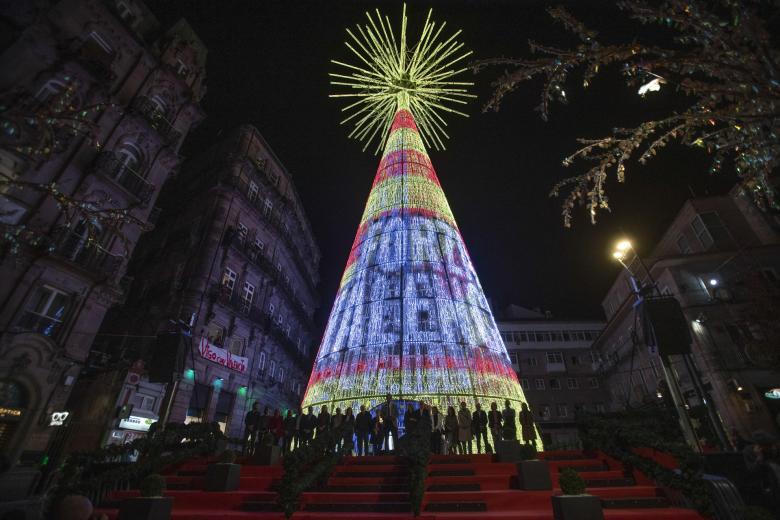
(10, 412)
(774, 393)
(58, 418)
(134, 422)
(222, 357)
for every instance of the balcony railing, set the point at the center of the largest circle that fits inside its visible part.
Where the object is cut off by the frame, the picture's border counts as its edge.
(110, 165)
(77, 249)
(156, 119)
(34, 322)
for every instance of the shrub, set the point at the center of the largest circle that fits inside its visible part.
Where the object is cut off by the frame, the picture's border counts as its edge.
(571, 482)
(756, 513)
(152, 486)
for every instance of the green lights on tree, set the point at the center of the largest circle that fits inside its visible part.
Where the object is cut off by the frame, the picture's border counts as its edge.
(391, 75)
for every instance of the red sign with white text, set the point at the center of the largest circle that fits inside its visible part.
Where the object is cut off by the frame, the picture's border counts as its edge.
(222, 357)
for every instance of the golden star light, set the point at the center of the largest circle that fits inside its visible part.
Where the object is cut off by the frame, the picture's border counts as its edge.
(390, 75)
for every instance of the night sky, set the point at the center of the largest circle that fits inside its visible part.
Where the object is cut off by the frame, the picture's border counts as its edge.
(267, 66)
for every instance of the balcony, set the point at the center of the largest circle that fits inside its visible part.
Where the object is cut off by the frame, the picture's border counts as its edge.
(556, 367)
(230, 298)
(77, 249)
(156, 118)
(108, 164)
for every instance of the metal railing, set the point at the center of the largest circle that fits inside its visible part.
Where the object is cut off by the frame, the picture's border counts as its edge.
(78, 249)
(108, 164)
(40, 323)
(156, 119)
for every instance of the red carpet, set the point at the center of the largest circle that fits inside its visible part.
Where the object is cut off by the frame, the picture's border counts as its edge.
(458, 487)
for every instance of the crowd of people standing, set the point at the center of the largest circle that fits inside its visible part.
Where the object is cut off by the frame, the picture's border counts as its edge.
(451, 431)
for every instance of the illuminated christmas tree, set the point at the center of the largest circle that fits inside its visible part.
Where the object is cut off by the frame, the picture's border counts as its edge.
(410, 317)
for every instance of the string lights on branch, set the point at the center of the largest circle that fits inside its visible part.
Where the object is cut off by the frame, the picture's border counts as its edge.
(719, 61)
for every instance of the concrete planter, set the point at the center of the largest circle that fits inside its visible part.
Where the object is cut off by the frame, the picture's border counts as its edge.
(508, 451)
(577, 507)
(223, 477)
(267, 455)
(534, 475)
(146, 508)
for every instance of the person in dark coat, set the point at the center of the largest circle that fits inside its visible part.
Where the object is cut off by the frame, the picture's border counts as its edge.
(250, 428)
(437, 429)
(494, 422)
(308, 424)
(323, 421)
(509, 431)
(379, 432)
(527, 425)
(389, 421)
(276, 425)
(263, 424)
(289, 430)
(348, 431)
(411, 418)
(479, 422)
(364, 424)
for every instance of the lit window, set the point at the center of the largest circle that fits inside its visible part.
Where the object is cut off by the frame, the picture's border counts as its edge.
(216, 334)
(247, 296)
(46, 312)
(229, 280)
(554, 357)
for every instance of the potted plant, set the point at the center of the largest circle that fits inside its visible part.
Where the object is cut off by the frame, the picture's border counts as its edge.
(532, 474)
(225, 475)
(574, 503)
(151, 505)
(267, 453)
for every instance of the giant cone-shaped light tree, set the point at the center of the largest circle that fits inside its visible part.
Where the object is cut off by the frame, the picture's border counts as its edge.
(410, 317)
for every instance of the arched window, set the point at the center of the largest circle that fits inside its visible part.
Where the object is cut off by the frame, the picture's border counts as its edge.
(130, 157)
(51, 89)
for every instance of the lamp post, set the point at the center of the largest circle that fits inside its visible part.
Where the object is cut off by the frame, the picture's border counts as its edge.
(621, 253)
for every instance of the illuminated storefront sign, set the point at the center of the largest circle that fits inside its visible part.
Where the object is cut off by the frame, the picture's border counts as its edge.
(134, 422)
(58, 418)
(774, 393)
(222, 357)
(10, 412)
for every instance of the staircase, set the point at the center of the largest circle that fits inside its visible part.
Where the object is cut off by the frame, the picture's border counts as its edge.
(457, 486)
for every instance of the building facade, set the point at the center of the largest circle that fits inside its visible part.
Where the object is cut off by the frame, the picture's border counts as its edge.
(138, 91)
(233, 264)
(558, 370)
(720, 258)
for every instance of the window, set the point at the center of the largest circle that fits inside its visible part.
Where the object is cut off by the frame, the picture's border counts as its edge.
(271, 309)
(532, 362)
(600, 408)
(709, 229)
(46, 311)
(280, 374)
(526, 384)
(50, 89)
(554, 357)
(261, 364)
(539, 384)
(272, 371)
(247, 296)
(242, 232)
(254, 189)
(124, 12)
(272, 176)
(566, 336)
(145, 402)
(572, 383)
(575, 360)
(268, 207)
(594, 358)
(279, 266)
(513, 357)
(544, 411)
(593, 382)
(181, 68)
(683, 245)
(259, 244)
(236, 346)
(216, 334)
(229, 281)
(555, 384)
(563, 410)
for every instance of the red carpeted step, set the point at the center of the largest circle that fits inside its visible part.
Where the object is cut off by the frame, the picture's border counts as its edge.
(475, 458)
(670, 513)
(367, 481)
(486, 482)
(312, 497)
(562, 455)
(626, 491)
(227, 500)
(373, 460)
